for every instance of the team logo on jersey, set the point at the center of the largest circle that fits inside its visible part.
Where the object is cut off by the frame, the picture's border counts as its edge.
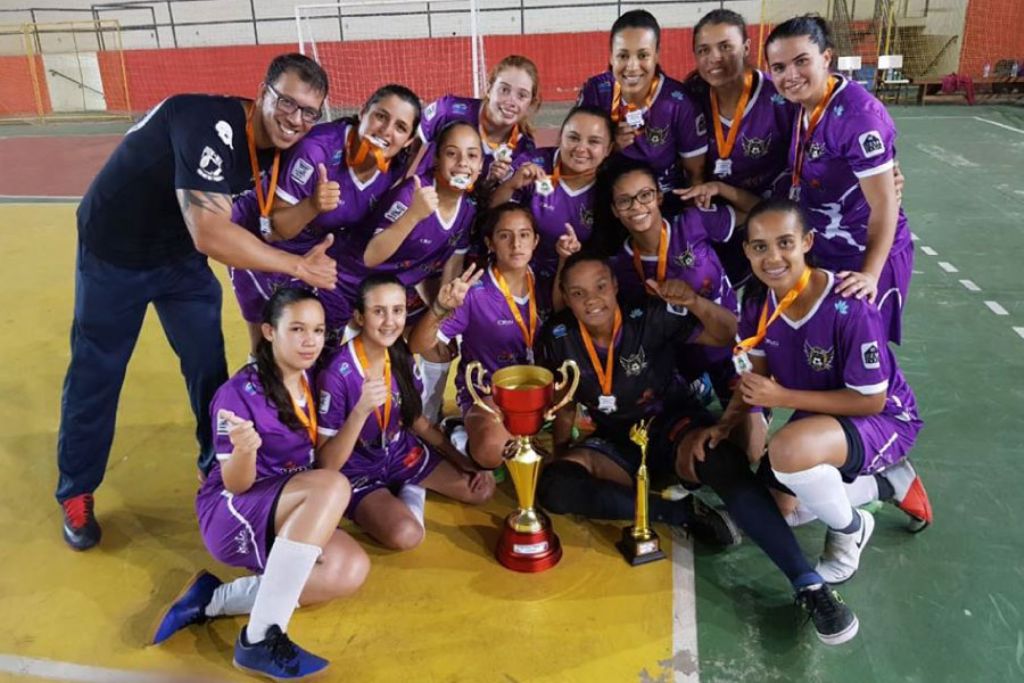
(302, 171)
(345, 369)
(755, 148)
(587, 216)
(678, 95)
(838, 111)
(778, 99)
(635, 364)
(559, 331)
(870, 355)
(325, 402)
(636, 313)
(816, 151)
(336, 157)
(459, 108)
(250, 388)
(227, 135)
(842, 307)
(396, 211)
(687, 259)
(871, 144)
(657, 136)
(818, 358)
(701, 125)
(429, 112)
(453, 239)
(211, 166)
(241, 543)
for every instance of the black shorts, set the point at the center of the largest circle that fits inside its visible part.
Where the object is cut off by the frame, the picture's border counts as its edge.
(849, 471)
(666, 431)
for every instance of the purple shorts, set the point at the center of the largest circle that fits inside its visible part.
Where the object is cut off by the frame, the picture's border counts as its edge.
(253, 288)
(411, 468)
(874, 442)
(893, 286)
(235, 526)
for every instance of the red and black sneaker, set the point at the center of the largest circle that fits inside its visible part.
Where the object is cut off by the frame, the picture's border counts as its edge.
(81, 530)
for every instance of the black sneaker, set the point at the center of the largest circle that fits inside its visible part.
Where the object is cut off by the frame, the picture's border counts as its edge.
(708, 525)
(833, 620)
(81, 530)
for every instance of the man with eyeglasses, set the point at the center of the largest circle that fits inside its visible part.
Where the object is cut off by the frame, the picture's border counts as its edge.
(159, 207)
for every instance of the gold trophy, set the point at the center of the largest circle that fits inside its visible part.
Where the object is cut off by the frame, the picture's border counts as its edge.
(524, 395)
(640, 544)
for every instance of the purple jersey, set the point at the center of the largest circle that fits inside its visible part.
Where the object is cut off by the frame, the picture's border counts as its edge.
(674, 126)
(760, 154)
(235, 525)
(326, 144)
(451, 108)
(375, 453)
(691, 257)
(423, 252)
(489, 332)
(853, 140)
(563, 205)
(840, 343)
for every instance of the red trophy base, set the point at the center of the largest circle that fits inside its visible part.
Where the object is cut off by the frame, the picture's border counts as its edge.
(528, 552)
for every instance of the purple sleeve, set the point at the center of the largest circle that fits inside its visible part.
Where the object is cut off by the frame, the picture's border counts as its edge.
(299, 172)
(245, 212)
(394, 204)
(718, 222)
(335, 402)
(457, 323)
(691, 127)
(588, 94)
(434, 118)
(865, 358)
(465, 227)
(866, 142)
(226, 398)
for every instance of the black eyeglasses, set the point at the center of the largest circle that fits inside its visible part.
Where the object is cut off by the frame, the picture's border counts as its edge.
(289, 106)
(644, 196)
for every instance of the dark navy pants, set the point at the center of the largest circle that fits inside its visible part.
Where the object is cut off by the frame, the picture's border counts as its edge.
(110, 305)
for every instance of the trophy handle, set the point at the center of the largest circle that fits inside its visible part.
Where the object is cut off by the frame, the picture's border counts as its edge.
(478, 369)
(559, 385)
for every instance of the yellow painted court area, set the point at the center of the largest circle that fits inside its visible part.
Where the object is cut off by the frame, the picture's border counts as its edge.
(443, 612)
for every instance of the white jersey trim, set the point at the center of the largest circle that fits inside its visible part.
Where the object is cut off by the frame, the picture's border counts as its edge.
(797, 324)
(286, 196)
(732, 223)
(875, 171)
(221, 457)
(694, 152)
(229, 500)
(871, 389)
(757, 352)
(324, 431)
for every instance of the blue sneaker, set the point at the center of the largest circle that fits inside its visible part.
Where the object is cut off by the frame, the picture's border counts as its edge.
(276, 657)
(703, 389)
(188, 608)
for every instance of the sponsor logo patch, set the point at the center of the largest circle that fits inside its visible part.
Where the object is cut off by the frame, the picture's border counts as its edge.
(396, 211)
(870, 356)
(302, 171)
(211, 166)
(871, 144)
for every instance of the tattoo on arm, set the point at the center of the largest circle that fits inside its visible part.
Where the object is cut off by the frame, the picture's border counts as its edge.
(201, 200)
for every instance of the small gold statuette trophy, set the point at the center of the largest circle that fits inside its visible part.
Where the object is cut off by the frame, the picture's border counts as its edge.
(640, 544)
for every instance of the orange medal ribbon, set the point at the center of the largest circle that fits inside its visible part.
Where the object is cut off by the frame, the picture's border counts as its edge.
(617, 106)
(263, 201)
(529, 333)
(385, 419)
(308, 419)
(354, 156)
(604, 375)
(557, 175)
(765, 321)
(513, 136)
(662, 270)
(812, 123)
(726, 143)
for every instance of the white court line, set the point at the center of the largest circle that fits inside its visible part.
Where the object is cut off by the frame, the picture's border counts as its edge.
(1020, 331)
(970, 286)
(66, 671)
(996, 123)
(996, 308)
(685, 663)
(948, 267)
(929, 251)
(914, 237)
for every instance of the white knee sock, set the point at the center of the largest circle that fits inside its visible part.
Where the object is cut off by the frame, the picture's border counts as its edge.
(820, 489)
(415, 497)
(435, 377)
(862, 490)
(236, 597)
(285, 575)
(800, 516)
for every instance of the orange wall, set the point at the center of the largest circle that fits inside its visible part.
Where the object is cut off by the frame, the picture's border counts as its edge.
(17, 97)
(994, 30)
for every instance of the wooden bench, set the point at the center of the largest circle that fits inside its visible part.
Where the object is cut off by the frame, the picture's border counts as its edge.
(986, 89)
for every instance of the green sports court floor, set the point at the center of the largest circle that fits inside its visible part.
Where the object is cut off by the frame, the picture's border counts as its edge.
(947, 605)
